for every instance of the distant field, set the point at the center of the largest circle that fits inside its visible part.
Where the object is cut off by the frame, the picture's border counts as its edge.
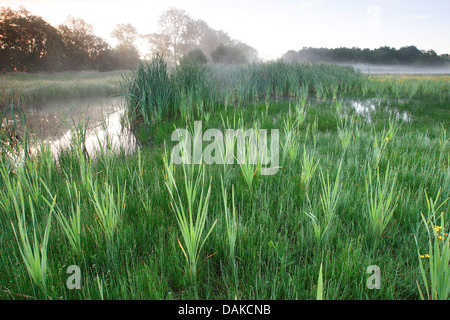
(40, 87)
(401, 76)
(400, 69)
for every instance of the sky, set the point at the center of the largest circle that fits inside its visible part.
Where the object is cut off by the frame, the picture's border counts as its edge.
(273, 26)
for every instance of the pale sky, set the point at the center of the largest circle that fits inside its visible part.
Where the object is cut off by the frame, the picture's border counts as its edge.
(274, 27)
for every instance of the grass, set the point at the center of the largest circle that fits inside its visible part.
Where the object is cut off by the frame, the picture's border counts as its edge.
(38, 88)
(435, 275)
(71, 225)
(381, 200)
(324, 220)
(140, 226)
(33, 253)
(191, 214)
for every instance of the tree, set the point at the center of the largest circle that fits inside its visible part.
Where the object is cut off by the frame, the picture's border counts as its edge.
(27, 42)
(228, 55)
(127, 54)
(126, 57)
(383, 55)
(408, 55)
(173, 25)
(159, 43)
(195, 55)
(126, 34)
(179, 34)
(81, 47)
(249, 52)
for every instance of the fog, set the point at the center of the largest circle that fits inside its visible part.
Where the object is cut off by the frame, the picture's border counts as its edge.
(386, 69)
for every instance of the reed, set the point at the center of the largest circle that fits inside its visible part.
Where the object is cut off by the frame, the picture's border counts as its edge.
(32, 251)
(434, 265)
(309, 166)
(324, 222)
(190, 205)
(381, 200)
(71, 223)
(231, 222)
(109, 206)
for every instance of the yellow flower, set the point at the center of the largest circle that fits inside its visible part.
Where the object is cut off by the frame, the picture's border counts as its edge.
(387, 138)
(440, 238)
(425, 256)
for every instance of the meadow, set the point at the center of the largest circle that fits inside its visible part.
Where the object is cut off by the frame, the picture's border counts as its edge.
(355, 191)
(36, 88)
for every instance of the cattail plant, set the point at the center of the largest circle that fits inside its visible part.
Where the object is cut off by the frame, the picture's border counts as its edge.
(303, 94)
(323, 223)
(290, 144)
(108, 207)
(169, 170)
(78, 146)
(190, 205)
(191, 215)
(381, 200)
(444, 142)
(309, 166)
(71, 224)
(345, 131)
(249, 168)
(230, 222)
(33, 252)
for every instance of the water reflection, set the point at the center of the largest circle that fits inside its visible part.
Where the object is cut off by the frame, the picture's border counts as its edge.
(368, 107)
(54, 123)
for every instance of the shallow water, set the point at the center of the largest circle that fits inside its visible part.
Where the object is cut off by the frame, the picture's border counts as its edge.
(367, 107)
(54, 122)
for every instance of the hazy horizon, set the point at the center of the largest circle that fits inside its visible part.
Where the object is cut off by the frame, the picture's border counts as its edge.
(273, 27)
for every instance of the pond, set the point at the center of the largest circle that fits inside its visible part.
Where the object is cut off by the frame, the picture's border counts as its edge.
(54, 123)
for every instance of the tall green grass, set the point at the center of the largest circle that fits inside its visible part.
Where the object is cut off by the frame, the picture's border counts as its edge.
(140, 226)
(38, 88)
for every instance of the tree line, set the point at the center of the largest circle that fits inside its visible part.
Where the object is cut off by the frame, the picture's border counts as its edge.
(409, 55)
(29, 43)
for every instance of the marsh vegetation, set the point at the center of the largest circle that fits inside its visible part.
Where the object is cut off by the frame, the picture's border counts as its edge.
(355, 188)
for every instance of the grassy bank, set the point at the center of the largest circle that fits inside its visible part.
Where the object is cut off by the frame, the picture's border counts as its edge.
(349, 194)
(36, 88)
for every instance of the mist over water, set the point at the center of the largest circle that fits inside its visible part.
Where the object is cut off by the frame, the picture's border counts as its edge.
(391, 69)
(54, 121)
